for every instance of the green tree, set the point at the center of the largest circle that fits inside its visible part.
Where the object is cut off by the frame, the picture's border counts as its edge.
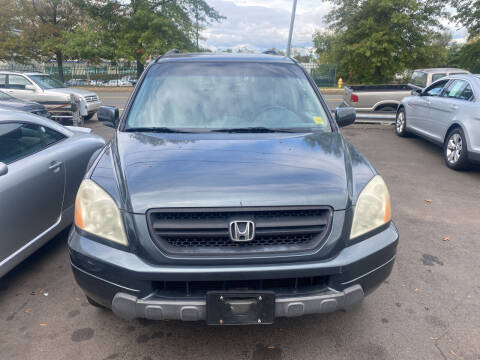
(140, 29)
(468, 15)
(374, 39)
(43, 25)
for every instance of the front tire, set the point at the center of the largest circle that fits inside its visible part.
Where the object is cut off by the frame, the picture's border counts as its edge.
(401, 123)
(455, 150)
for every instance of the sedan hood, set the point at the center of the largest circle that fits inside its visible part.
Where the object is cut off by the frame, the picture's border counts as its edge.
(224, 170)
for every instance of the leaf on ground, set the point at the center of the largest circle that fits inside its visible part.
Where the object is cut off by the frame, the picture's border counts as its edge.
(452, 352)
(32, 292)
(428, 201)
(446, 238)
(270, 347)
(433, 338)
(28, 310)
(78, 299)
(416, 289)
(43, 325)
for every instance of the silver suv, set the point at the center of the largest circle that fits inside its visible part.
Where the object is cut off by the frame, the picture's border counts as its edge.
(42, 88)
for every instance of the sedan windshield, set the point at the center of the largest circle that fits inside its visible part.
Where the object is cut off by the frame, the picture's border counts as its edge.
(46, 82)
(243, 97)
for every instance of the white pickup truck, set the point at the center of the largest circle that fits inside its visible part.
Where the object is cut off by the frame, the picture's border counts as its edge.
(386, 98)
(43, 89)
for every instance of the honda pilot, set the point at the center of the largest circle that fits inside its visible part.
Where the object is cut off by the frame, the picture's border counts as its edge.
(228, 194)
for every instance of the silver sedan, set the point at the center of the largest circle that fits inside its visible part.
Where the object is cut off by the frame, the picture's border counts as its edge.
(41, 166)
(447, 113)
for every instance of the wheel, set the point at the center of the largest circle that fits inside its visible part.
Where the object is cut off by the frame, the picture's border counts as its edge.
(455, 150)
(401, 123)
(88, 117)
(94, 303)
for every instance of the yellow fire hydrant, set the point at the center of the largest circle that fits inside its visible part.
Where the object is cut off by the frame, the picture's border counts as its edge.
(340, 82)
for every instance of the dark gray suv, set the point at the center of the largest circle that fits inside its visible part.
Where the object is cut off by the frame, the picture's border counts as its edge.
(228, 194)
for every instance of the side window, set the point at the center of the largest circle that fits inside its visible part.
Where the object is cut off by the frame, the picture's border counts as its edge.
(18, 140)
(17, 82)
(435, 89)
(3, 81)
(467, 93)
(455, 89)
(436, 77)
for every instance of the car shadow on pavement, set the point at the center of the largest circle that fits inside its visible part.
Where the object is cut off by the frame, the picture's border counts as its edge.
(34, 262)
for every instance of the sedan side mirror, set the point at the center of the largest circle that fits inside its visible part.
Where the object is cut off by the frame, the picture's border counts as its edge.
(108, 115)
(417, 92)
(345, 116)
(3, 169)
(30, 87)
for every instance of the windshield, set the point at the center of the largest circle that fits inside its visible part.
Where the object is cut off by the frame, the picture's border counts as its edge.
(46, 82)
(5, 97)
(215, 95)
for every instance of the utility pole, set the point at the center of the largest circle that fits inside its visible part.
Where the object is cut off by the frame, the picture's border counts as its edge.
(290, 33)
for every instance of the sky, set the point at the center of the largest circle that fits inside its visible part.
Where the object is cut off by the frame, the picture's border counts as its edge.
(263, 24)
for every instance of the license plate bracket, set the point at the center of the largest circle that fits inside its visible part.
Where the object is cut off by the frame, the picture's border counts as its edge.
(240, 308)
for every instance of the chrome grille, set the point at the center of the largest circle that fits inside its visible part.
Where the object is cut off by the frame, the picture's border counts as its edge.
(205, 231)
(91, 98)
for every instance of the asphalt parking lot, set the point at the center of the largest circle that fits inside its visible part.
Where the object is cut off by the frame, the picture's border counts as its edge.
(427, 309)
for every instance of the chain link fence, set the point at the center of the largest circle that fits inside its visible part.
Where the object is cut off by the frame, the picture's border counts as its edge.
(324, 75)
(81, 74)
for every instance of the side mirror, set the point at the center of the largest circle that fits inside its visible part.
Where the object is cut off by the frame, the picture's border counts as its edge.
(417, 92)
(345, 116)
(3, 169)
(30, 87)
(109, 116)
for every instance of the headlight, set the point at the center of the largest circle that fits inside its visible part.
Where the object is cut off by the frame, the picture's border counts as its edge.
(372, 209)
(97, 213)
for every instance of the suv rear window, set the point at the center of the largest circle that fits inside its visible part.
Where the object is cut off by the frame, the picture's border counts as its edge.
(220, 95)
(419, 78)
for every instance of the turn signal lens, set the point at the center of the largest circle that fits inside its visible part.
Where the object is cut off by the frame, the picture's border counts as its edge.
(372, 209)
(97, 213)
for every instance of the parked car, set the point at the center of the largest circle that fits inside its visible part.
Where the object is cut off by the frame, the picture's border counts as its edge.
(386, 98)
(229, 194)
(130, 79)
(97, 83)
(46, 90)
(118, 82)
(8, 102)
(78, 82)
(448, 114)
(41, 166)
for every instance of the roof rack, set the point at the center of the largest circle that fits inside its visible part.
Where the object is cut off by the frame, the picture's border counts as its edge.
(168, 53)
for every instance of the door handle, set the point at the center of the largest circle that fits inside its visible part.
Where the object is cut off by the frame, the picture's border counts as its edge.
(55, 166)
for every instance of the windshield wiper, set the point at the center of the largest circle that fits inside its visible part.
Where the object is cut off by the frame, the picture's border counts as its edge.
(258, 129)
(156, 129)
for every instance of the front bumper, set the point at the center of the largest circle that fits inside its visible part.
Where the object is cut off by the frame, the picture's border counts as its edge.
(124, 282)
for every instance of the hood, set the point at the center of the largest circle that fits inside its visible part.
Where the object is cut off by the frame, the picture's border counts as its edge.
(17, 104)
(68, 91)
(223, 170)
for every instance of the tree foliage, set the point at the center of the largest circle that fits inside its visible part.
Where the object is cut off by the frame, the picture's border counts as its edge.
(372, 40)
(138, 29)
(468, 15)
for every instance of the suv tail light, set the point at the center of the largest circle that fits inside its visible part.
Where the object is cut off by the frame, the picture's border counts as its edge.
(354, 98)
